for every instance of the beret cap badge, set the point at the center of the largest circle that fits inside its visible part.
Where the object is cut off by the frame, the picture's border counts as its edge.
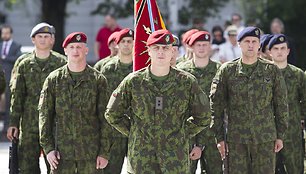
(78, 37)
(257, 32)
(46, 29)
(167, 38)
(281, 39)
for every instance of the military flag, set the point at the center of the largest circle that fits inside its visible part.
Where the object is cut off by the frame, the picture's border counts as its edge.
(147, 19)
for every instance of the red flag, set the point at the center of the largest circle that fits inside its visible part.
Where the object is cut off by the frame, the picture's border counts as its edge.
(147, 19)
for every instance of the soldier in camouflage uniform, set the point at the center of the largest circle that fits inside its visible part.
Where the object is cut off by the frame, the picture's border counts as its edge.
(264, 51)
(27, 55)
(188, 51)
(71, 113)
(115, 71)
(30, 76)
(112, 45)
(2, 81)
(167, 107)
(253, 92)
(292, 154)
(204, 70)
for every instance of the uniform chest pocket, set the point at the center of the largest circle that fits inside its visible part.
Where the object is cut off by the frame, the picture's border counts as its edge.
(236, 87)
(140, 104)
(266, 94)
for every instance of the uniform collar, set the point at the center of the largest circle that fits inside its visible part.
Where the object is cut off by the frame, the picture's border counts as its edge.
(170, 80)
(257, 71)
(86, 76)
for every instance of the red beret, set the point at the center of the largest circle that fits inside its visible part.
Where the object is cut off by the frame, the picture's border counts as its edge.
(112, 37)
(126, 32)
(187, 35)
(199, 36)
(163, 37)
(75, 37)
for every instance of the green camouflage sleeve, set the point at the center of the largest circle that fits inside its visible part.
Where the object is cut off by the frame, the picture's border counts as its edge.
(303, 96)
(2, 80)
(218, 98)
(14, 70)
(17, 97)
(106, 131)
(97, 67)
(46, 108)
(117, 107)
(280, 104)
(199, 111)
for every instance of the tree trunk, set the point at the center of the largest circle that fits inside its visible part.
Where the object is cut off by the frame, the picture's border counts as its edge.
(54, 13)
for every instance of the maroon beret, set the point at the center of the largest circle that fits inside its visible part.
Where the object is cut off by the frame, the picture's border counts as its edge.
(112, 37)
(187, 35)
(126, 32)
(75, 37)
(199, 36)
(162, 36)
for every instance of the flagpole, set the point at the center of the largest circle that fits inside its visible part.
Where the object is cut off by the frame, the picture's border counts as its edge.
(151, 15)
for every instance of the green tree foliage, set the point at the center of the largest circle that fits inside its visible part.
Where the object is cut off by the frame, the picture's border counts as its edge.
(191, 10)
(118, 10)
(199, 10)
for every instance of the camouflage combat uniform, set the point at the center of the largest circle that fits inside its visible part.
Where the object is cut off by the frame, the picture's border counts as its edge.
(29, 78)
(255, 99)
(2, 81)
(71, 119)
(101, 63)
(210, 160)
(291, 155)
(27, 55)
(115, 72)
(164, 114)
(181, 59)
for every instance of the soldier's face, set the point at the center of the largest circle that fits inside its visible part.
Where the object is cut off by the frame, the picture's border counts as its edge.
(249, 46)
(201, 49)
(174, 56)
(280, 52)
(161, 54)
(113, 48)
(266, 54)
(126, 45)
(76, 52)
(42, 41)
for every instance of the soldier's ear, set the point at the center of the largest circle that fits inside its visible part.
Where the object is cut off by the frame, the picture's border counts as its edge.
(288, 51)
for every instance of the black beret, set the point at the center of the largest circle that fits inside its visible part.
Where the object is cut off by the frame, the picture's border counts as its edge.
(264, 41)
(277, 39)
(249, 31)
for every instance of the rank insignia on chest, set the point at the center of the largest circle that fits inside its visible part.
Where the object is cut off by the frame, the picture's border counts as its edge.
(159, 103)
(267, 80)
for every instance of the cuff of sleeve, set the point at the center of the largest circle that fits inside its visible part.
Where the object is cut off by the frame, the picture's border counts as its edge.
(14, 122)
(105, 148)
(48, 149)
(220, 138)
(105, 155)
(281, 136)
